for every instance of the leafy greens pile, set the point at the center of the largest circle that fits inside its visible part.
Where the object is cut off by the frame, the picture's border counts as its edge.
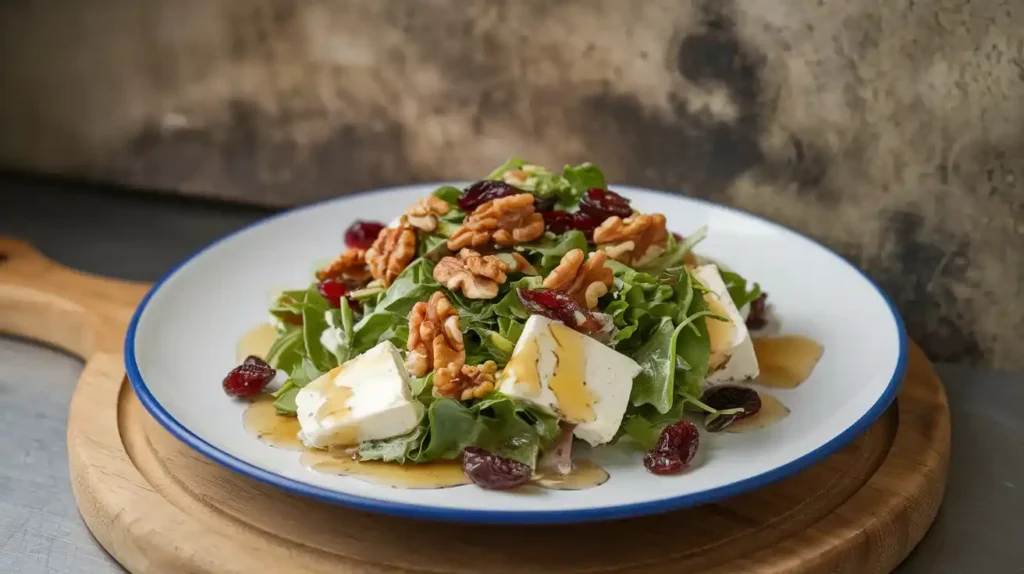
(658, 312)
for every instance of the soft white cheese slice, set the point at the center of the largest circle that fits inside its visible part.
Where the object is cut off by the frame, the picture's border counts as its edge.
(572, 376)
(367, 398)
(732, 351)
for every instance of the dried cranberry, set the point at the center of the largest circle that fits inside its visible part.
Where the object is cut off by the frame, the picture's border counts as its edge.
(679, 238)
(663, 463)
(562, 221)
(729, 397)
(675, 449)
(483, 191)
(559, 306)
(756, 319)
(602, 204)
(333, 291)
(493, 472)
(249, 378)
(362, 234)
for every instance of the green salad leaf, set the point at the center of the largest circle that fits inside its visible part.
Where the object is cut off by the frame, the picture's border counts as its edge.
(497, 424)
(287, 349)
(301, 375)
(314, 322)
(546, 253)
(584, 176)
(737, 287)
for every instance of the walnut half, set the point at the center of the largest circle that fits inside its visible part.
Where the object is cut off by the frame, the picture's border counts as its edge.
(435, 336)
(477, 276)
(465, 382)
(584, 280)
(424, 213)
(505, 221)
(391, 253)
(350, 266)
(635, 240)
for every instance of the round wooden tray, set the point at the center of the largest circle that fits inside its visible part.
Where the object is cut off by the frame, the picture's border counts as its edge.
(158, 506)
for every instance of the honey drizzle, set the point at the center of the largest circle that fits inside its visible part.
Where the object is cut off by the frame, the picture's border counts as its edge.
(256, 341)
(443, 474)
(584, 474)
(772, 411)
(786, 361)
(525, 366)
(262, 421)
(567, 381)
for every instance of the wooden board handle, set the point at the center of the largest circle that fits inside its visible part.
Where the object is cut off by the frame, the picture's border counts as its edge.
(75, 311)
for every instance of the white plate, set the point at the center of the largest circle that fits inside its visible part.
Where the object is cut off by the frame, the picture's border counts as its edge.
(182, 339)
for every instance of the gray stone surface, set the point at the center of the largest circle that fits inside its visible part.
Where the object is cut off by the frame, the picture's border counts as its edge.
(890, 130)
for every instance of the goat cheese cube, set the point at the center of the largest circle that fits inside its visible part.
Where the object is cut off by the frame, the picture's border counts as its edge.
(732, 351)
(572, 376)
(366, 398)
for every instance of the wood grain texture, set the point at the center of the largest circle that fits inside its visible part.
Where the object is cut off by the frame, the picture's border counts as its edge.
(158, 506)
(889, 130)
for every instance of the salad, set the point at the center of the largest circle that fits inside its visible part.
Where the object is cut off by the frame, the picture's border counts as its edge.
(495, 324)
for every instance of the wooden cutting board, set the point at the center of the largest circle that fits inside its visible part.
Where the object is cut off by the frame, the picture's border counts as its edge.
(159, 506)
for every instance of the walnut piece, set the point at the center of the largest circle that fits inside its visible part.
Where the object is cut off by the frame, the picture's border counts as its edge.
(506, 221)
(435, 337)
(465, 383)
(477, 276)
(585, 280)
(350, 267)
(635, 240)
(391, 253)
(424, 213)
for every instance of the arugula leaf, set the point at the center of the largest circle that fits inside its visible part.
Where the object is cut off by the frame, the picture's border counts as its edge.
(416, 283)
(694, 350)
(395, 449)
(737, 287)
(510, 329)
(644, 424)
(314, 322)
(547, 252)
(583, 177)
(450, 194)
(497, 424)
(288, 304)
(511, 306)
(301, 375)
(509, 165)
(654, 384)
(496, 347)
(287, 349)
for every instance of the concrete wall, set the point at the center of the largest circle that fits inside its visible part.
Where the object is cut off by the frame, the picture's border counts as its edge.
(890, 130)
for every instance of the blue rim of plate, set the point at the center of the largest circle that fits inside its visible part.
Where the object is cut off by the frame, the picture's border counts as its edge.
(435, 513)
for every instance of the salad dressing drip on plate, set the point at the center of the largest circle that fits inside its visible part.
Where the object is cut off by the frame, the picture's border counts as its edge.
(262, 421)
(256, 341)
(786, 361)
(771, 411)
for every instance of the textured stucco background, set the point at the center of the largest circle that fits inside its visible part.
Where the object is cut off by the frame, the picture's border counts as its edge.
(891, 130)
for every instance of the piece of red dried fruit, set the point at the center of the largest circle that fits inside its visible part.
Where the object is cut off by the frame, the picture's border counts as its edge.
(757, 318)
(362, 234)
(559, 306)
(603, 203)
(483, 191)
(725, 397)
(561, 221)
(333, 291)
(676, 447)
(493, 472)
(250, 378)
